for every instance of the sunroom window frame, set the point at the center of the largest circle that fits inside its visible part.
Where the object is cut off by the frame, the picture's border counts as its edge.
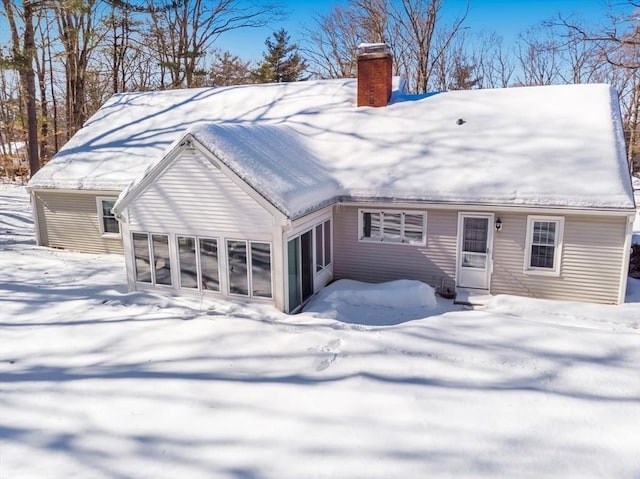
(558, 243)
(152, 266)
(325, 241)
(403, 239)
(249, 264)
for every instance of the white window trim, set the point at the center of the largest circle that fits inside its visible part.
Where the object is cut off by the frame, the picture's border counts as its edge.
(198, 250)
(381, 240)
(103, 233)
(152, 260)
(557, 254)
(329, 265)
(251, 242)
(248, 244)
(149, 250)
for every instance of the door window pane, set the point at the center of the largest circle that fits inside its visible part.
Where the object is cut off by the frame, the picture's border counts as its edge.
(161, 262)
(475, 234)
(209, 264)
(261, 269)
(188, 265)
(471, 260)
(392, 227)
(327, 243)
(237, 258)
(141, 254)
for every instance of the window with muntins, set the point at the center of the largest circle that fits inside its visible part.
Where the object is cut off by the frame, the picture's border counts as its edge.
(544, 243)
(108, 222)
(393, 226)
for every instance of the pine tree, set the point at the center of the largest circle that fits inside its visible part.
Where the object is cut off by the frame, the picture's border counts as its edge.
(229, 69)
(282, 62)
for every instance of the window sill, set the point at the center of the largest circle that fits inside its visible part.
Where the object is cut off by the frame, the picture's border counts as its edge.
(396, 243)
(542, 272)
(111, 235)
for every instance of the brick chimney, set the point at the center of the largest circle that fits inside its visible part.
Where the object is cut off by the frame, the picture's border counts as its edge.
(374, 74)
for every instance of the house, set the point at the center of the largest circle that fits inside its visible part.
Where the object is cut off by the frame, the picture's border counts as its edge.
(269, 192)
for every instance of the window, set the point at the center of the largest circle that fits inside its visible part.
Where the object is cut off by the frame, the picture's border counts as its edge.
(151, 255)
(237, 258)
(323, 245)
(210, 279)
(393, 226)
(108, 223)
(249, 268)
(261, 270)
(142, 258)
(198, 263)
(544, 244)
(188, 264)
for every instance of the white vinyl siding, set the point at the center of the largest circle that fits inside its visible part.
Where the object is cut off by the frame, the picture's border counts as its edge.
(194, 197)
(71, 221)
(434, 262)
(220, 237)
(590, 264)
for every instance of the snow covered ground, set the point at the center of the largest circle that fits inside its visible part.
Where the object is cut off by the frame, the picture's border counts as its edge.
(98, 383)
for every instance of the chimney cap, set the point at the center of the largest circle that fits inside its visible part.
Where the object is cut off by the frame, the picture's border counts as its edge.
(373, 49)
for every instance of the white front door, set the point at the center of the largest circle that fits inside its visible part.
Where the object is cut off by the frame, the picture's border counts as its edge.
(475, 240)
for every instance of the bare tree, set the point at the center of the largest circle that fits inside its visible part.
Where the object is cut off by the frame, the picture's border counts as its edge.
(23, 51)
(617, 44)
(183, 35)
(332, 43)
(77, 27)
(413, 29)
(41, 57)
(538, 56)
(618, 41)
(494, 65)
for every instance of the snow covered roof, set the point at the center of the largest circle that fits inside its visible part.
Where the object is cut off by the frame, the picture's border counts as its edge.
(305, 143)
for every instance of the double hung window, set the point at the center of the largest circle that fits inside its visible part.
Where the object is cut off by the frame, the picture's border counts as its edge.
(544, 244)
(107, 221)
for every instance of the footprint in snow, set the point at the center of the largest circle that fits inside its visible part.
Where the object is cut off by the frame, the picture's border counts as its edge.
(333, 348)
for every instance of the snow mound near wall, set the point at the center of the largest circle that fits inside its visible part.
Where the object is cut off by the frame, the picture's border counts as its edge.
(374, 304)
(399, 294)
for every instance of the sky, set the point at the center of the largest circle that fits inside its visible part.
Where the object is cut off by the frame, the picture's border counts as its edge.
(507, 18)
